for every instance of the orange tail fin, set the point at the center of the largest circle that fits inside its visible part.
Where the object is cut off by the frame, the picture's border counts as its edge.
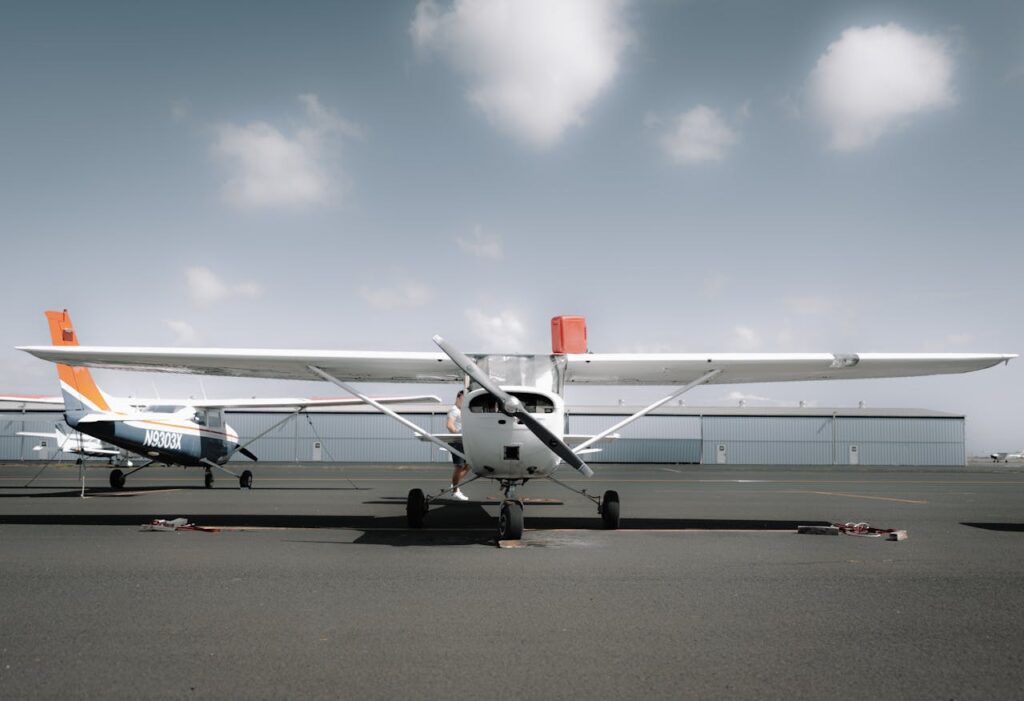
(76, 384)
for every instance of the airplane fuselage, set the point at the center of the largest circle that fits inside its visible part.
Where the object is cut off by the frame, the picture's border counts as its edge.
(499, 446)
(167, 439)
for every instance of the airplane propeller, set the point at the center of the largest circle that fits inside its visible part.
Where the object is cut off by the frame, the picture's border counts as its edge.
(513, 407)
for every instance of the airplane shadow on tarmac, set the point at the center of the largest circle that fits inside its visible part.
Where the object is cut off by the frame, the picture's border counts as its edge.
(445, 525)
(38, 492)
(1016, 527)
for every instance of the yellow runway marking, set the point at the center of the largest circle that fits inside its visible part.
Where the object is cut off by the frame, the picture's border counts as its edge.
(863, 496)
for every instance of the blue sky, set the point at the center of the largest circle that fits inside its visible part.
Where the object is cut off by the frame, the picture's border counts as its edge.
(690, 176)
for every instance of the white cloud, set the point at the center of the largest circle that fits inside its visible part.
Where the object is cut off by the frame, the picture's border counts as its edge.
(745, 338)
(271, 169)
(501, 333)
(698, 136)
(184, 333)
(481, 245)
(873, 79)
(535, 66)
(407, 295)
(205, 288)
(751, 399)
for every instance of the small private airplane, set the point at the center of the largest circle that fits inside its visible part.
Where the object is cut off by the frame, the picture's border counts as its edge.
(1007, 457)
(513, 419)
(190, 433)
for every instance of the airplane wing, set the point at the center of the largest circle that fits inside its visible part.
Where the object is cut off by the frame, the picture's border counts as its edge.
(350, 366)
(23, 399)
(742, 368)
(296, 403)
(52, 434)
(590, 368)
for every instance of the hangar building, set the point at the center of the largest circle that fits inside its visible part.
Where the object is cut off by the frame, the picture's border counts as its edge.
(678, 434)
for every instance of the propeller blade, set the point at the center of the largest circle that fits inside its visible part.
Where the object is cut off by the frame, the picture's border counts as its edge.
(473, 370)
(513, 407)
(247, 453)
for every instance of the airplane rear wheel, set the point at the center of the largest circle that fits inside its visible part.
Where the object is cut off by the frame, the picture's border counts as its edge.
(415, 508)
(116, 479)
(208, 480)
(510, 521)
(245, 480)
(610, 510)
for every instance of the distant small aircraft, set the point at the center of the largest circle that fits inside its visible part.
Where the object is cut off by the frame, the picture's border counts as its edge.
(513, 422)
(1007, 457)
(76, 444)
(190, 433)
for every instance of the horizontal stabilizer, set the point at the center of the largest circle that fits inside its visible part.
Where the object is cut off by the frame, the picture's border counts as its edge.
(448, 438)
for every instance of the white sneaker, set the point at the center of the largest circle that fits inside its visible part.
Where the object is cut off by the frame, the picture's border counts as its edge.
(458, 496)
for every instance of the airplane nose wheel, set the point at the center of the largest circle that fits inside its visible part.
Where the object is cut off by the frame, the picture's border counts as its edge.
(245, 480)
(116, 479)
(415, 508)
(208, 479)
(510, 521)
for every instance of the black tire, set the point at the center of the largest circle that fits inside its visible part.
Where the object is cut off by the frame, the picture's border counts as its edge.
(415, 508)
(510, 521)
(610, 510)
(116, 479)
(245, 480)
(208, 480)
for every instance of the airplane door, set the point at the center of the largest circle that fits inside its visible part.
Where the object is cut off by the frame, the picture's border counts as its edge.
(854, 455)
(721, 454)
(318, 451)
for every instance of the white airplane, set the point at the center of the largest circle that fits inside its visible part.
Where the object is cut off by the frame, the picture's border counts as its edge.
(513, 421)
(75, 443)
(1007, 457)
(190, 433)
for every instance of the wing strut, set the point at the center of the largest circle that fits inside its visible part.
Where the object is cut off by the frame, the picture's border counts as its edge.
(646, 410)
(380, 407)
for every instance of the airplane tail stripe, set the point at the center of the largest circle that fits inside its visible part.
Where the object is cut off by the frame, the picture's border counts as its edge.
(62, 333)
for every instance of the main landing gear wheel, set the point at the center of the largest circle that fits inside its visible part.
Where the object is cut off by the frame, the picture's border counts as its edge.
(208, 479)
(116, 479)
(610, 510)
(415, 508)
(245, 480)
(510, 521)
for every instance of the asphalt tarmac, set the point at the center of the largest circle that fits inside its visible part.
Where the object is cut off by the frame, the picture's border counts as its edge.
(315, 587)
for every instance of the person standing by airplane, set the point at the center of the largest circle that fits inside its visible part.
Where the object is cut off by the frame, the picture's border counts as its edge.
(455, 426)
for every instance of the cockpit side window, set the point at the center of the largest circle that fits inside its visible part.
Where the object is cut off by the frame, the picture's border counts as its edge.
(214, 418)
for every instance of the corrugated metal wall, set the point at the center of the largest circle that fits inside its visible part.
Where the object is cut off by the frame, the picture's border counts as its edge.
(747, 440)
(15, 447)
(900, 441)
(768, 440)
(364, 438)
(651, 439)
